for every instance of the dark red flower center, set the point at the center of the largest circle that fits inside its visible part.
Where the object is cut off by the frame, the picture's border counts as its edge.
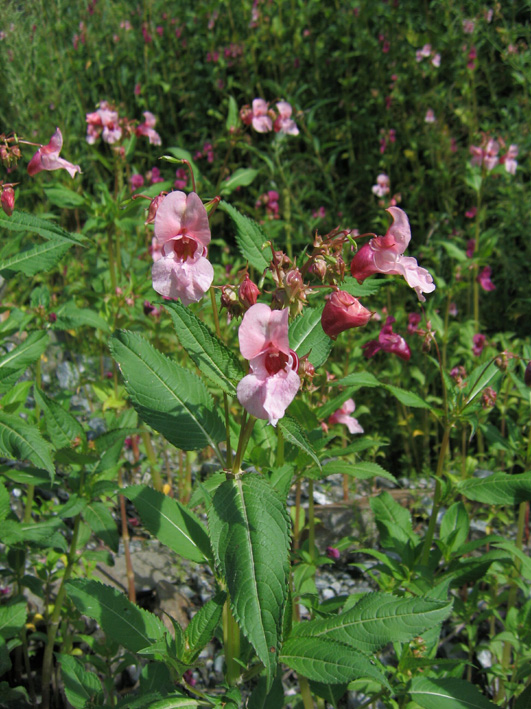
(185, 247)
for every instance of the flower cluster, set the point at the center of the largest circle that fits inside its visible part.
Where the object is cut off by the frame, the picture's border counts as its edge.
(106, 122)
(487, 155)
(425, 53)
(264, 119)
(269, 200)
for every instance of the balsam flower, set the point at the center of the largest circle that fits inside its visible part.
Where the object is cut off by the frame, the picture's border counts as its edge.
(382, 186)
(344, 416)
(343, 312)
(388, 341)
(484, 279)
(47, 158)
(270, 387)
(104, 120)
(285, 123)
(384, 254)
(183, 234)
(148, 129)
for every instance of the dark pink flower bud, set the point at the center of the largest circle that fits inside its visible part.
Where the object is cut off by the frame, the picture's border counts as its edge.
(155, 204)
(488, 398)
(343, 312)
(8, 200)
(52, 317)
(248, 292)
(478, 342)
(484, 279)
(332, 553)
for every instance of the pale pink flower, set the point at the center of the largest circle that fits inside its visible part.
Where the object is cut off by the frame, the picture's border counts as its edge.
(261, 121)
(469, 26)
(284, 123)
(183, 233)
(384, 254)
(509, 159)
(147, 129)
(270, 387)
(488, 14)
(106, 120)
(430, 116)
(343, 415)
(382, 186)
(436, 60)
(47, 157)
(486, 154)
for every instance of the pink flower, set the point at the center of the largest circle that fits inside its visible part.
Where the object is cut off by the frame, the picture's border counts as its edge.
(270, 387)
(388, 341)
(484, 279)
(137, 181)
(384, 254)
(284, 123)
(469, 26)
(155, 176)
(147, 129)
(260, 120)
(343, 312)
(430, 116)
(436, 60)
(333, 553)
(471, 213)
(343, 415)
(382, 186)
(182, 178)
(106, 119)
(413, 322)
(183, 233)
(478, 343)
(509, 159)
(47, 157)
(7, 199)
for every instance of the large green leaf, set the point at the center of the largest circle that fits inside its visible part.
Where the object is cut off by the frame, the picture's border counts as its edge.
(447, 693)
(241, 177)
(22, 441)
(358, 380)
(120, 619)
(101, 522)
(376, 620)
(172, 523)
(360, 471)
(359, 290)
(307, 337)
(70, 317)
(36, 259)
(408, 398)
(249, 531)
(202, 626)
(212, 357)
(330, 662)
(481, 377)
(81, 686)
(250, 238)
(22, 221)
(13, 616)
(294, 434)
(172, 400)
(27, 352)
(497, 489)
(62, 427)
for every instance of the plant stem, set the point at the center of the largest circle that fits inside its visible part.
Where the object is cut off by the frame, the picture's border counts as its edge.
(311, 521)
(306, 694)
(436, 497)
(53, 626)
(231, 643)
(125, 539)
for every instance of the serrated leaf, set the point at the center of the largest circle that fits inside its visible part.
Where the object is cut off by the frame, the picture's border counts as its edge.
(61, 426)
(250, 237)
(376, 620)
(81, 686)
(202, 626)
(27, 352)
(249, 530)
(455, 526)
(172, 523)
(120, 619)
(12, 617)
(102, 524)
(387, 509)
(408, 398)
(307, 337)
(360, 471)
(22, 221)
(21, 441)
(241, 177)
(70, 317)
(43, 534)
(329, 662)
(497, 489)
(212, 357)
(359, 379)
(449, 693)
(63, 197)
(4, 502)
(294, 434)
(172, 400)
(481, 377)
(370, 286)
(35, 260)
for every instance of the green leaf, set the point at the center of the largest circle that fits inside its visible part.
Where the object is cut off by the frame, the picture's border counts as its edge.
(101, 522)
(447, 693)
(81, 685)
(294, 434)
(36, 259)
(241, 177)
(233, 117)
(454, 251)
(172, 523)
(70, 317)
(13, 617)
(376, 620)
(250, 237)
(480, 378)
(455, 526)
(249, 530)
(172, 400)
(22, 221)
(42, 534)
(201, 628)
(213, 358)
(27, 352)
(323, 661)
(497, 489)
(360, 471)
(262, 699)
(5, 505)
(63, 197)
(358, 380)
(386, 509)
(62, 427)
(21, 441)
(120, 619)
(359, 290)
(307, 337)
(408, 398)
